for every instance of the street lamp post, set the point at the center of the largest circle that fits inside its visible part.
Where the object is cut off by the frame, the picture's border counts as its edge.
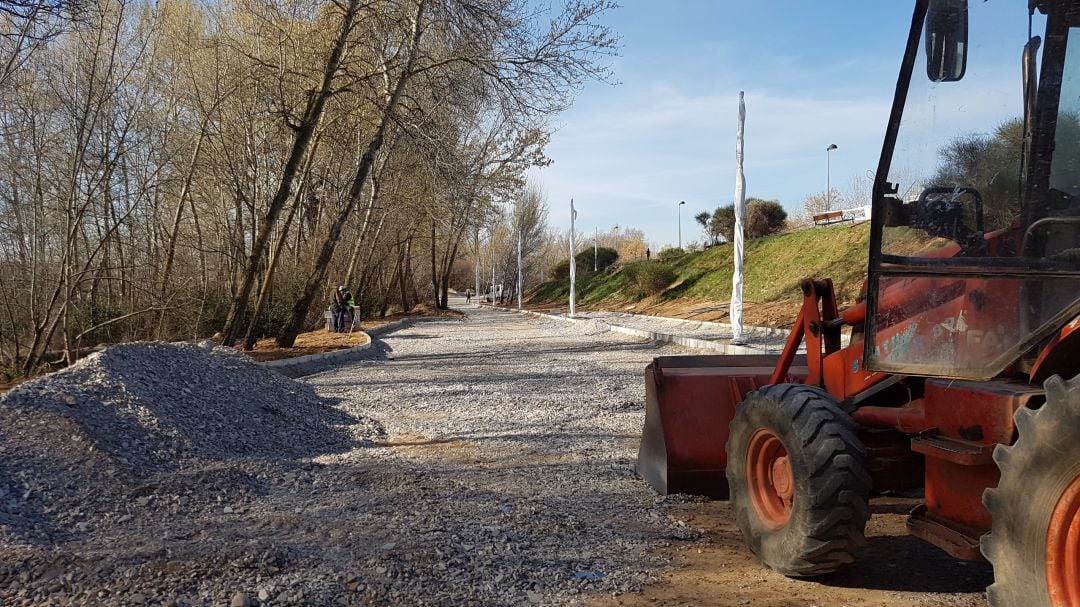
(681, 203)
(828, 176)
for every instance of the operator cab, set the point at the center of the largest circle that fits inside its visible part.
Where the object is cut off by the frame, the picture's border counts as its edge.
(975, 232)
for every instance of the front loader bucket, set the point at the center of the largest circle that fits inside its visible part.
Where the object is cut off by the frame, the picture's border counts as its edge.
(690, 400)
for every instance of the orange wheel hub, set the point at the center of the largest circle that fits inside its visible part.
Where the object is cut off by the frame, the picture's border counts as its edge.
(769, 478)
(1063, 549)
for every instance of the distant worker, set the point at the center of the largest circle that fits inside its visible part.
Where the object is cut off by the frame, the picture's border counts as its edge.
(468, 295)
(342, 309)
(350, 310)
(648, 254)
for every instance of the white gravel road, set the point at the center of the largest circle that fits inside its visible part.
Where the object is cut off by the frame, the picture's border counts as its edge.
(508, 477)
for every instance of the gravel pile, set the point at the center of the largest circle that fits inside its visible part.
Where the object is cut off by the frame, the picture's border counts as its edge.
(76, 443)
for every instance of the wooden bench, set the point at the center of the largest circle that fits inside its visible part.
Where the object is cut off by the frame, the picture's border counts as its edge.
(830, 217)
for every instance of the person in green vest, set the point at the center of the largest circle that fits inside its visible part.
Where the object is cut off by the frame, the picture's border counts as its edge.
(343, 310)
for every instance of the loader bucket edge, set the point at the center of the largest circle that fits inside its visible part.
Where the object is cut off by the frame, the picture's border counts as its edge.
(690, 401)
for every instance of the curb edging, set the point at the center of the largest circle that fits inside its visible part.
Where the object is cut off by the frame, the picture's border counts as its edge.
(688, 342)
(299, 366)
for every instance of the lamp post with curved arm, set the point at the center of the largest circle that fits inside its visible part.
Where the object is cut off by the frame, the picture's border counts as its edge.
(828, 176)
(681, 203)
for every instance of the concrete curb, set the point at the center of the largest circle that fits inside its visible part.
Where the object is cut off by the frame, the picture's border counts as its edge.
(299, 366)
(721, 327)
(688, 342)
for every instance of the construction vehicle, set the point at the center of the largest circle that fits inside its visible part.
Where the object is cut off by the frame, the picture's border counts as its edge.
(960, 374)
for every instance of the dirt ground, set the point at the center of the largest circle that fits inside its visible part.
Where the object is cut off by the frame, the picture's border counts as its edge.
(894, 570)
(312, 342)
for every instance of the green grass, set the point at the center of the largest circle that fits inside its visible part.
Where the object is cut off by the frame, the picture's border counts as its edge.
(773, 267)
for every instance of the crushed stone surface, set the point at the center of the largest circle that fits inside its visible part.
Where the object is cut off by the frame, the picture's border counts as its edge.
(499, 472)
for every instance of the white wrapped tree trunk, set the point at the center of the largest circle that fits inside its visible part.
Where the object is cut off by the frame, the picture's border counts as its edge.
(519, 275)
(573, 262)
(736, 308)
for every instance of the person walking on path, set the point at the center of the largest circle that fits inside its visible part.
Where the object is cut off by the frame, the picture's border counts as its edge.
(468, 295)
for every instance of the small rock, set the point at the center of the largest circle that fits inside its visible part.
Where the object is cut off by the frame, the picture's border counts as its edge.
(264, 595)
(240, 599)
(70, 400)
(228, 510)
(170, 603)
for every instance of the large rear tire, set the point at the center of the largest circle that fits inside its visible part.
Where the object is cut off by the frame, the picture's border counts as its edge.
(1034, 541)
(798, 480)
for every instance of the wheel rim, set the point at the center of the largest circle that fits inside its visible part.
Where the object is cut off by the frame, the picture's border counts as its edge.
(1063, 549)
(769, 478)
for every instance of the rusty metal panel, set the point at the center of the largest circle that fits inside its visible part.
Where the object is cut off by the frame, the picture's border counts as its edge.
(967, 420)
(980, 412)
(845, 374)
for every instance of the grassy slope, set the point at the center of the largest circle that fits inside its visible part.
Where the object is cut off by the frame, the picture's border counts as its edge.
(773, 267)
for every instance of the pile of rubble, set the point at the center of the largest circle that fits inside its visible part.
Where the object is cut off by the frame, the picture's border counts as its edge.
(82, 444)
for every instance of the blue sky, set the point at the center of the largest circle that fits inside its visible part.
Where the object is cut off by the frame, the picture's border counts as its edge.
(814, 73)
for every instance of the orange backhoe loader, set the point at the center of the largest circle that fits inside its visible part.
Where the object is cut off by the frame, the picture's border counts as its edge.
(960, 377)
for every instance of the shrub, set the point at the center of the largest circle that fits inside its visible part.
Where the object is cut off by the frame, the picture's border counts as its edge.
(723, 222)
(670, 254)
(645, 279)
(764, 217)
(561, 270)
(605, 256)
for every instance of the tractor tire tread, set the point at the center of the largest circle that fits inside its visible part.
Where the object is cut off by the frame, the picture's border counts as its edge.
(828, 527)
(1034, 470)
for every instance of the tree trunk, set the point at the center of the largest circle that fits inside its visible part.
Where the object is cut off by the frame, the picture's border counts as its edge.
(434, 272)
(403, 287)
(326, 252)
(275, 253)
(313, 112)
(364, 228)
